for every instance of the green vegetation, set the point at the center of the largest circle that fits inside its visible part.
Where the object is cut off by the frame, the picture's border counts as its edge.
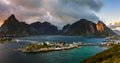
(111, 55)
(32, 47)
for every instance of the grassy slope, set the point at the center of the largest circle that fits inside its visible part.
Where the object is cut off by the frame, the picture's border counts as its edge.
(111, 55)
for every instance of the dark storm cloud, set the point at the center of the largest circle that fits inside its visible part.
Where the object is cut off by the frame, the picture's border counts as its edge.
(58, 12)
(91, 4)
(71, 10)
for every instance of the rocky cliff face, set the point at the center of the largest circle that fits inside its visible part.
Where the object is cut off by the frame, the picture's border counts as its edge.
(103, 30)
(100, 26)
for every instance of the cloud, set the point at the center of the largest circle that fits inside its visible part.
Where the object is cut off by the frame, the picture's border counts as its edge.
(115, 26)
(4, 9)
(58, 12)
(69, 11)
(30, 4)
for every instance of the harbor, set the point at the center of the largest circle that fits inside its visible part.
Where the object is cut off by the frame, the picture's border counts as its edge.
(54, 46)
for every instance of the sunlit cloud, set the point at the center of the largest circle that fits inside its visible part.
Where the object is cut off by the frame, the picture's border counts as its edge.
(115, 26)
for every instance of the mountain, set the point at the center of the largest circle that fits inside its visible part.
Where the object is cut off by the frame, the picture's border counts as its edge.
(45, 28)
(103, 30)
(84, 27)
(12, 27)
(81, 27)
(117, 32)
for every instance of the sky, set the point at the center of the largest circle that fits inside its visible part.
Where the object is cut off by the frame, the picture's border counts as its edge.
(61, 12)
(110, 13)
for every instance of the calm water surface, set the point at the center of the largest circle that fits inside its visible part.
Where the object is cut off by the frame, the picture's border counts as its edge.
(8, 53)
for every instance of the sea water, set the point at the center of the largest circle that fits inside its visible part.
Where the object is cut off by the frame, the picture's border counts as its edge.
(9, 53)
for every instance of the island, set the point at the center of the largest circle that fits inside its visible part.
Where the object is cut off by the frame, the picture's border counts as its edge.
(49, 46)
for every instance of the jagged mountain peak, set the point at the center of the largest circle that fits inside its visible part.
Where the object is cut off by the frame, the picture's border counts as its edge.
(100, 23)
(36, 23)
(47, 23)
(82, 21)
(11, 20)
(12, 15)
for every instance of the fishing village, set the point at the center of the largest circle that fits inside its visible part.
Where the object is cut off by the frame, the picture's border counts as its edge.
(56, 46)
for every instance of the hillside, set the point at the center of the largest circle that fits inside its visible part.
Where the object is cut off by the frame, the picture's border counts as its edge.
(111, 55)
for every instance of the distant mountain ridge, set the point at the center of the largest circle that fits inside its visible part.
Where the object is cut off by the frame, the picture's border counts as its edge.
(117, 32)
(83, 27)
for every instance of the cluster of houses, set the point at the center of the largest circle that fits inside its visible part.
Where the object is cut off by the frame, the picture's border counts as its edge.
(51, 46)
(110, 42)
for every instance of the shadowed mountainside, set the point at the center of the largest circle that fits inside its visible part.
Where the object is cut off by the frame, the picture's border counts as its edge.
(87, 28)
(12, 27)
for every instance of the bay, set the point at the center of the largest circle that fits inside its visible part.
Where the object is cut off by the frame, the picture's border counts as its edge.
(9, 53)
